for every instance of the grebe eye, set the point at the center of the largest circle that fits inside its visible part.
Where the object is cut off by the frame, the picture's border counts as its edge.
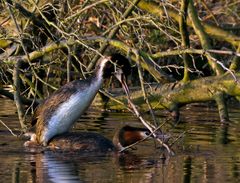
(147, 133)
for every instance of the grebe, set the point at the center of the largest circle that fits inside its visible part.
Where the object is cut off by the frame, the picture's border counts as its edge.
(57, 114)
(94, 142)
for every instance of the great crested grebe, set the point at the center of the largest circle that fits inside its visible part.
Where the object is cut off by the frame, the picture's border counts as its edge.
(93, 142)
(57, 114)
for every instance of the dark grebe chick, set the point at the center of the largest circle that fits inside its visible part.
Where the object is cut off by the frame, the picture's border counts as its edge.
(57, 114)
(93, 142)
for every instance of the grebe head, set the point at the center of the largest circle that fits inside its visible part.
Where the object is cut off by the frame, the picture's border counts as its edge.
(114, 65)
(129, 135)
(118, 61)
(101, 67)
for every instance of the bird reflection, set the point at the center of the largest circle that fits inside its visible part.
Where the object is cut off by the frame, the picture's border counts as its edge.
(57, 167)
(49, 168)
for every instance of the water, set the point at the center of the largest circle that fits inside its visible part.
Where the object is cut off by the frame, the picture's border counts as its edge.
(207, 151)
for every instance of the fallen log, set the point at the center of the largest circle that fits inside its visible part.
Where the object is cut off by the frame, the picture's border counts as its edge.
(171, 96)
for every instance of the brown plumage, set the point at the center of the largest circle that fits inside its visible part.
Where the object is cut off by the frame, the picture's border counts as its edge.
(93, 142)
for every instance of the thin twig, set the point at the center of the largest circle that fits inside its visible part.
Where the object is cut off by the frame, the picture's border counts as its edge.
(8, 129)
(180, 136)
(144, 90)
(148, 125)
(84, 9)
(131, 145)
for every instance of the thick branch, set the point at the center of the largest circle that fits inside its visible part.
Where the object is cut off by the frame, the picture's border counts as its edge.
(17, 98)
(171, 94)
(212, 30)
(198, 28)
(184, 37)
(146, 61)
(193, 51)
(24, 101)
(39, 53)
(235, 65)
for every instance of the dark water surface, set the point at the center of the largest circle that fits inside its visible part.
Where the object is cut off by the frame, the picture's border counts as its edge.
(208, 152)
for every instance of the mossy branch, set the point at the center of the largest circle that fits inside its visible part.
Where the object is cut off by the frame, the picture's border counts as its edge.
(146, 60)
(203, 37)
(170, 94)
(184, 37)
(17, 98)
(214, 31)
(235, 65)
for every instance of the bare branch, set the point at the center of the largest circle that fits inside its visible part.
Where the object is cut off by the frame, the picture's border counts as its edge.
(8, 129)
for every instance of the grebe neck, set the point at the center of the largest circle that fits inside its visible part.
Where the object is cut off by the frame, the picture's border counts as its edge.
(99, 71)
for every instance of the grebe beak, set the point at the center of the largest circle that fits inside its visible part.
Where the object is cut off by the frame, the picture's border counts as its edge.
(121, 77)
(163, 137)
(159, 135)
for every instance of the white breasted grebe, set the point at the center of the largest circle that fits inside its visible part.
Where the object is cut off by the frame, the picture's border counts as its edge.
(57, 114)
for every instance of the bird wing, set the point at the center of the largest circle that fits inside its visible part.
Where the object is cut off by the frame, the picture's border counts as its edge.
(44, 110)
